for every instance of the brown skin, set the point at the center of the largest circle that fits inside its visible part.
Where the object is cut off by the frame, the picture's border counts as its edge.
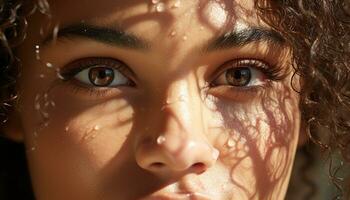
(102, 143)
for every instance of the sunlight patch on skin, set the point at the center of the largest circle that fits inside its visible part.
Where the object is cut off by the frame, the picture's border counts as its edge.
(216, 14)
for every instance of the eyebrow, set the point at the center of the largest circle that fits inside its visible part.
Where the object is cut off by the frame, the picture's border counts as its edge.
(243, 37)
(110, 36)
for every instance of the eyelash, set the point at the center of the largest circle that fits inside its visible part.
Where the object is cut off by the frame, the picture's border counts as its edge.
(74, 68)
(273, 72)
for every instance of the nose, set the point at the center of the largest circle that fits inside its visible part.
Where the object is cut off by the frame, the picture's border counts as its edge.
(180, 144)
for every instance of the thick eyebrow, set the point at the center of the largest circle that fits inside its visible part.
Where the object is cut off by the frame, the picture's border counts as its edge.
(243, 37)
(110, 36)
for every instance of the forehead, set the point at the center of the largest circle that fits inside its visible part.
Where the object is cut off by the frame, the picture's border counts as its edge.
(158, 15)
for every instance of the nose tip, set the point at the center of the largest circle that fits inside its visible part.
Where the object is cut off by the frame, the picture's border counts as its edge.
(165, 157)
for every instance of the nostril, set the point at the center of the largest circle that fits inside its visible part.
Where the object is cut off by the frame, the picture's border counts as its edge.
(157, 165)
(198, 167)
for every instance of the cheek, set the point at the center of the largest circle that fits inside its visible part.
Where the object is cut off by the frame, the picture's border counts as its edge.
(257, 140)
(74, 139)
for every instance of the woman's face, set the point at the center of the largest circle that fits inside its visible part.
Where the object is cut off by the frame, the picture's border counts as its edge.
(161, 99)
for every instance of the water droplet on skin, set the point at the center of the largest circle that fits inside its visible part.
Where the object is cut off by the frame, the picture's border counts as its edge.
(177, 4)
(59, 75)
(55, 32)
(46, 95)
(37, 52)
(37, 106)
(37, 97)
(32, 149)
(53, 104)
(66, 128)
(160, 7)
(35, 134)
(49, 65)
(173, 33)
(46, 124)
(45, 115)
(215, 154)
(231, 143)
(160, 140)
(155, 1)
(42, 76)
(184, 38)
(96, 128)
(47, 104)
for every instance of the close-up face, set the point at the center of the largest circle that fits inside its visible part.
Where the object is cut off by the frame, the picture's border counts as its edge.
(161, 99)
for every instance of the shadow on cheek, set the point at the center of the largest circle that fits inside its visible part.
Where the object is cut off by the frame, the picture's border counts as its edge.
(261, 142)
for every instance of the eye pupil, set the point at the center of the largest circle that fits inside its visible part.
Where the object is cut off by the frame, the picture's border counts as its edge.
(239, 76)
(101, 76)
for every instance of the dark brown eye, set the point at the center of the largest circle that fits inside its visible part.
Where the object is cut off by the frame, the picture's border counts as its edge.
(101, 76)
(239, 76)
(241, 73)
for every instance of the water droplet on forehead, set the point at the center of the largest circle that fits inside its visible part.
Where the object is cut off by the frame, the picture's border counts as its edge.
(42, 76)
(37, 47)
(160, 7)
(66, 128)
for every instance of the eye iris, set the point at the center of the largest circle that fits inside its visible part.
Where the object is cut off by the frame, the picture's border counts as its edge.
(101, 76)
(240, 76)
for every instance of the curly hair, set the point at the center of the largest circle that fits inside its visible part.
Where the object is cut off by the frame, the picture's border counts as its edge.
(318, 32)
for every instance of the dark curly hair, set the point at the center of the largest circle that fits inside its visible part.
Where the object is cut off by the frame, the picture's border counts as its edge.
(317, 31)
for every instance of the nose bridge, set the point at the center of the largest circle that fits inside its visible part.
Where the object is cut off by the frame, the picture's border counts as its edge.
(179, 141)
(181, 110)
